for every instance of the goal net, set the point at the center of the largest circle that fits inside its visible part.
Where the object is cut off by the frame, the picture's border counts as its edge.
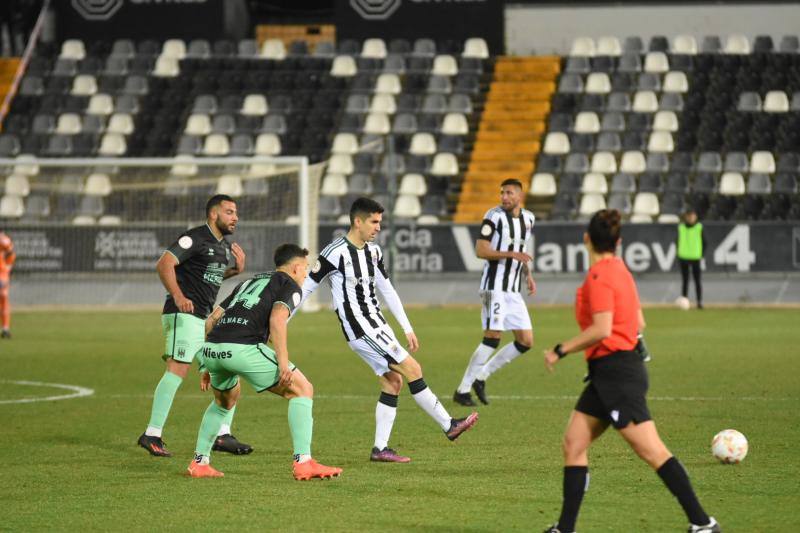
(89, 231)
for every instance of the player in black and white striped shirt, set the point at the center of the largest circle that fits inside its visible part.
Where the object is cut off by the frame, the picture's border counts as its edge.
(505, 230)
(353, 266)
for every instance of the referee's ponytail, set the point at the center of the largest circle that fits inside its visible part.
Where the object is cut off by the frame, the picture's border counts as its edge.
(604, 230)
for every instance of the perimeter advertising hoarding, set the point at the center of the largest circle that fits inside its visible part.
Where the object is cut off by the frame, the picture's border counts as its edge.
(755, 247)
(412, 19)
(91, 20)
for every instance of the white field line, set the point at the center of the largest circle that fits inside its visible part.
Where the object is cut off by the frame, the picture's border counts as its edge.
(76, 392)
(524, 398)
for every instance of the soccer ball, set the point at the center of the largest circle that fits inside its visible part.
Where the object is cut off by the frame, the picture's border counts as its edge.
(683, 303)
(729, 446)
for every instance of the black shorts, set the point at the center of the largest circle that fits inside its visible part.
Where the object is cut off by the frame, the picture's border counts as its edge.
(617, 390)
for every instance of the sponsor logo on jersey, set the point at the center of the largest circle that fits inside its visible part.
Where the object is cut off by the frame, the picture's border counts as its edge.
(317, 266)
(296, 299)
(181, 352)
(185, 242)
(210, 251)
(212, 354)
(486, 230)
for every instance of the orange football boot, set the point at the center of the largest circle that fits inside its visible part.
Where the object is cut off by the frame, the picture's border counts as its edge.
(311, 469)
(197, 470)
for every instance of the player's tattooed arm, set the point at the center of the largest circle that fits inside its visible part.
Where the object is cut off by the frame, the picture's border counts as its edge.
(239, 256)
(529, 277)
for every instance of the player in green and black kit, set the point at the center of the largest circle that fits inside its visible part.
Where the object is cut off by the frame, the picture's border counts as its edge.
(257, 311)
(192, 270)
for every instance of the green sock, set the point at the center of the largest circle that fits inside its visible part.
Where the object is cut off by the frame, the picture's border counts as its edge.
(301, 424)
(209, 428)
(162, 399)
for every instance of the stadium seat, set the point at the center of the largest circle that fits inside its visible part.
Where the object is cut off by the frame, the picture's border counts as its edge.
(591, 204)
(68, 124)
(776, 102)
(570, 83)
(583, 46)
(273, 49)
(166, 67)
(649, 81)
(198, 49)
(476, 47)
(665, 121)
(343, 66)
(633, 162)
(223, 124)
(556, 143)
(413, 184)
(17, 185)
(737, 45)
(645, 102)
(242, 145)
(388, 83)
(84, 85)
(73, 49)
(374, 48)
(574, 163)
(444, 165)
(785, 183)
(377, 123)
(345, 143)
(198, 124)
(543, 184)
(749, 101)
(254, 105)
(759, 184)
(789, 44)
(174, 48)
(675, 82)
(455, 124)
(621, 202)
(598, 83)
(267, 144)
(732, 184)
(334, 184)
(407, 207)
(684, 44)
(120, 123)
(423, 144)
(623, 183)
(608, 46)
(341, 164)
(709, 162)
(762, 162)
(594, 183)
(603, 163)
(444, 65)
(736, 162)
(112, 144)
(383, 103)
(645, 204)
(11, 207)
(660, 141)
(216, 144)
(704, 183)
(656, 62)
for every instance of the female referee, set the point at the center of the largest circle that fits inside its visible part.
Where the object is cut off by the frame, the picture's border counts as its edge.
(609, 315)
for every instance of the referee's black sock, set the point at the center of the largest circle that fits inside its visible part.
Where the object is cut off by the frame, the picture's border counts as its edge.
(576, 480)
(677, 481)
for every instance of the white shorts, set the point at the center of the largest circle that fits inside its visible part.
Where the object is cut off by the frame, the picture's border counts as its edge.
(504, 311)
(378, 348)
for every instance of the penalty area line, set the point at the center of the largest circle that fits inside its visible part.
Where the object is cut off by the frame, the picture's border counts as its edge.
(75, 391)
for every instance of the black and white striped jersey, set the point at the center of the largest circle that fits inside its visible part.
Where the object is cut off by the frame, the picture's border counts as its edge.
(506, 233)
(353, 275)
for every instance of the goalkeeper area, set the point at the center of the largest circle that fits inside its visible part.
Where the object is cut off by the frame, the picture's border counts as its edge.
(73, 463)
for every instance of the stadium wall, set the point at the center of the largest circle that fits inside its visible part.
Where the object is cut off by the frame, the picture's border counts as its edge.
(551, 28)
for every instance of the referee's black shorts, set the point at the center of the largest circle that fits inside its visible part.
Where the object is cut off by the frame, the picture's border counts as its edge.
(617, 390)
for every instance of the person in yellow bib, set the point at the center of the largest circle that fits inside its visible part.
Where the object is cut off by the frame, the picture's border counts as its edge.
(691, 246)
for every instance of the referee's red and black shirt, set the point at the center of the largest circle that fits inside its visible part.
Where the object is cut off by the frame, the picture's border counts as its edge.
(609, 286)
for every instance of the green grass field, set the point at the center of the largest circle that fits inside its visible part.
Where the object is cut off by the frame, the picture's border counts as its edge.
(73, 464)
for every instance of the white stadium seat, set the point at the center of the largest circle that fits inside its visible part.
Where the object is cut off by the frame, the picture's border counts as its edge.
(737, 44)
(608, 46)
(543, 184)
(556, 143)
(444, 165)
(216, 144)
(684, 44)
(254, 105)
(583, 46)
(229, 184)
(374, 48)
(762, 162)
(660, 141)
(591, 204)
(268, 144)
(776, 102)
(73, 49)
(633, 162)
(476, 47)
(413, 184)
(587, 122)
(273, 49)
(345, 143)
(604, 163)
(343, 67)
(732, 184)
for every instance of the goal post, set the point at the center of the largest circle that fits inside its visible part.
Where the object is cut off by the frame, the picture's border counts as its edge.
(98, 225)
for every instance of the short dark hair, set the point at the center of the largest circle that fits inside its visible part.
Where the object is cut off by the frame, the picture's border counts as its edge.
(364, 206)
(512, 181)
(286, 252)
(604, 230)
(216, 200)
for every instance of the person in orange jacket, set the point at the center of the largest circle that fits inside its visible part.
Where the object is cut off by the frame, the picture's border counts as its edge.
(7, 258)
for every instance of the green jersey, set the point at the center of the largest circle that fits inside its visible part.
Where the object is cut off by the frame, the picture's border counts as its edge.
(202, 262)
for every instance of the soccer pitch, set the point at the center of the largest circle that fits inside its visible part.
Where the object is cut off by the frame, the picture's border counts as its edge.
(74, 464)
